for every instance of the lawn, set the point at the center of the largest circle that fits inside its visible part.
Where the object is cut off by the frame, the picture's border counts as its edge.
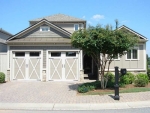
(127, 89)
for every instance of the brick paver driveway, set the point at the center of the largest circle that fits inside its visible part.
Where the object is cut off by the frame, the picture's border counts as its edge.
(56, 92)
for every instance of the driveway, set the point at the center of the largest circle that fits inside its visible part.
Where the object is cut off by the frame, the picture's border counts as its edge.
(57, 92)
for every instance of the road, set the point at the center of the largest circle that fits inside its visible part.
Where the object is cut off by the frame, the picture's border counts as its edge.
(132, 110)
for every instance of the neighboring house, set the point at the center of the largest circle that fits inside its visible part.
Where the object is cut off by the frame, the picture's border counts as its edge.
(4, 35)
(43, 51)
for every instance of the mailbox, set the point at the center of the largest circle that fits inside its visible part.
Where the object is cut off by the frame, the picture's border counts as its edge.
(123, 71)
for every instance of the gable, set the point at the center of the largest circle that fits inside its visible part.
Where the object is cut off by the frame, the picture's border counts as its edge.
(126, 29)
(34, 33)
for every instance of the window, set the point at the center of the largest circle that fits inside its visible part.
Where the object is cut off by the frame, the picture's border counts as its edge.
(33, 54)
(70, 54)
(132, 54)
(44, 28)
(55, 54)
(20, 54)
(76, 27)
(115, 58)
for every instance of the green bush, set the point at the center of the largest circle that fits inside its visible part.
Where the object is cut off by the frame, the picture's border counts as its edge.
(88, 86)
(128, 78)
(141, 80)
(111, 80)
(2, 77)
(148, 73)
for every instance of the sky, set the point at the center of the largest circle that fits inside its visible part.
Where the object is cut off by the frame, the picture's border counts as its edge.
(135, 14)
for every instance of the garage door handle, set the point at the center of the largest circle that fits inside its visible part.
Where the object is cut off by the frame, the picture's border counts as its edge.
(26, 65)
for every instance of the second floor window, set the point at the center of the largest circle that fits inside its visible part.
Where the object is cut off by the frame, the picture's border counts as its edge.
(132, 54)
(76, 27)
(44, 28)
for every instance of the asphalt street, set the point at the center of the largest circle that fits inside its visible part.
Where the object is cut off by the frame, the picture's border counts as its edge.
(131, 110)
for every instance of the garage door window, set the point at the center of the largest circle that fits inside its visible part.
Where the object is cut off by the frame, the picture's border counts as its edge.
(55, 54)
(34, 54)
(70, 54)
(20, 54)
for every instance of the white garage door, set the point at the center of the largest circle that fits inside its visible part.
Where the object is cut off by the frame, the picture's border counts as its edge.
(63, 66)
(27, 65)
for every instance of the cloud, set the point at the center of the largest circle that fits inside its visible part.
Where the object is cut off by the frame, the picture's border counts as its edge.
(83, 17)
(124, 21)
(98, 17)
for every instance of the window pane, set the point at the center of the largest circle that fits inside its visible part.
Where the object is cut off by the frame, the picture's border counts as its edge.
(135, 56)
(70, 53)
(44, 28)
(116, 57)
(34, 54)
(129, 54)
(20, 54)
(76, 27)
(55, 54)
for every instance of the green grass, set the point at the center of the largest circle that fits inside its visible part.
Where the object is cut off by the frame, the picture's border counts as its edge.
(129, 90)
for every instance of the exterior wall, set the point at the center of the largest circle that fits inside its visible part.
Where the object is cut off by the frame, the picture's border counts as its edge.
(3, 47)
(132, 65)
(37, 33)
(44, 50)
(68, 26)
(3, 63)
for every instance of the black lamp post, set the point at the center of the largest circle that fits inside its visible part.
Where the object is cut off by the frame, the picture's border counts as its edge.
(116, 97)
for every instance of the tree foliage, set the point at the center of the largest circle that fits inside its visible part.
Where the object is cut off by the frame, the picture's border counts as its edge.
(102, 43)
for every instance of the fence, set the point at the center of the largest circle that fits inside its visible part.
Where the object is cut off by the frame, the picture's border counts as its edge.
(3, 63)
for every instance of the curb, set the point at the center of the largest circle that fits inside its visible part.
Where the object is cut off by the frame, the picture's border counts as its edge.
(76, 106)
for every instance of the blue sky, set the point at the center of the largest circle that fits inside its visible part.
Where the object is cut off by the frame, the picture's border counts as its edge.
(135, 14)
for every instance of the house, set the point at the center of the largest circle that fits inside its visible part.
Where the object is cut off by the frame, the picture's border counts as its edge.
(43, 51)
(4, 35)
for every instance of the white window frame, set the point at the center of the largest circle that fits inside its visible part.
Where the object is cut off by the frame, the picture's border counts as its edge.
(137, 48)
(115, 59)
(74, 27)
(44, 27)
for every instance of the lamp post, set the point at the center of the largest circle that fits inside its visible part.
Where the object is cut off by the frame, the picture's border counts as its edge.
(116, 97)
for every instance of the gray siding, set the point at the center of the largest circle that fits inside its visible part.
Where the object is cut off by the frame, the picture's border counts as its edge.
(44, 48)
(68, 26)
(3, 47)
(130, 64)
(37, 33)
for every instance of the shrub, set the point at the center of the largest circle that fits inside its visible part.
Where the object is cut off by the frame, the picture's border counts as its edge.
(128, 78)
(88, 86)
(2, 77)
(148, 73)
(141, 80)
(111, 79)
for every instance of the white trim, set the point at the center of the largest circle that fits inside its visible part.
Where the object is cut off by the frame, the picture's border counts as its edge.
(144, 55)
(44, 20)
(74, 27)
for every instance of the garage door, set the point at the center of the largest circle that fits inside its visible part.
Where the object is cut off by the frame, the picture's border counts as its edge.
(63, 66)
(27, 65)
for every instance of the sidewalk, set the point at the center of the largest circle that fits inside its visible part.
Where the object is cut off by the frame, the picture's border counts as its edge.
(81, 106)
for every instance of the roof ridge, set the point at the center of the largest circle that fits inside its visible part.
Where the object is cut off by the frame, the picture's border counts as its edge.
(59, 17)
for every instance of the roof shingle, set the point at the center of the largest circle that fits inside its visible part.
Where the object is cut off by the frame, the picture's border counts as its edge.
(59, 17)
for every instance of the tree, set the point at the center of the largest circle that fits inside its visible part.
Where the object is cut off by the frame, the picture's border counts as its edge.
(103, 44)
